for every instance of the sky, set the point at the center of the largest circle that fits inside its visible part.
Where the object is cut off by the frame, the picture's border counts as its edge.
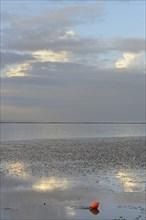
(73, 60)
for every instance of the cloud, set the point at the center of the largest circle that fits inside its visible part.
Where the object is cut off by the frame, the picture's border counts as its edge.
(50, 56)
(50, 36)
(54, 68)
(69, 35)
(130, 60)
(37, 57)
(20, 70)
(46, 39)
(77, 14)
(75, 95)
(10, 58)
(46, 30)
(70, 49)
(62, 17)
(132, 45)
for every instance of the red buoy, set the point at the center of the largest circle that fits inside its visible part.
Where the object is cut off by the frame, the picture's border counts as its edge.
(94, 205)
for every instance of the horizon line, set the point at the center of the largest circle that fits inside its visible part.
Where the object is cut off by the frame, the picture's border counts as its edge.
(69, 122)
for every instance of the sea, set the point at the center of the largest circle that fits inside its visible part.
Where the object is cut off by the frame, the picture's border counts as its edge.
(31, 131)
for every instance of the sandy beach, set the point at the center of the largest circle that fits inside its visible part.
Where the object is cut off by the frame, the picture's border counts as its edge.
(57, 179)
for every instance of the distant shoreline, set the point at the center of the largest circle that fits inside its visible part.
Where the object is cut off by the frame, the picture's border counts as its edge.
(61, 122)
(76, 139)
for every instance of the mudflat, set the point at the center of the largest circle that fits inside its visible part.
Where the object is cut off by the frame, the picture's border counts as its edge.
(58, 179)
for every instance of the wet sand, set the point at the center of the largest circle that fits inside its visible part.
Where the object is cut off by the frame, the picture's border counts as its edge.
(55, 179)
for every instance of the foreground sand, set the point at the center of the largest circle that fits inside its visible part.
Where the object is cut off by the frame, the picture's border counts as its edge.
(54, 179)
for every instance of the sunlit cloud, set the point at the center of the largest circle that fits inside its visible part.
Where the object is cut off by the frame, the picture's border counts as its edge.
(50, 184)
(20, 70)
(50, 56)
(130, 60)
(38, 56)
(69, 35)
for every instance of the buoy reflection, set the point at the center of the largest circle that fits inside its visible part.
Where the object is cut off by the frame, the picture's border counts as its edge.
(94, 211)
(70, 211)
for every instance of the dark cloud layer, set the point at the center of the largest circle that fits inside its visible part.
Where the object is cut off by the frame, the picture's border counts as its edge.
(9, 58)
(129, 44)
(105, 95)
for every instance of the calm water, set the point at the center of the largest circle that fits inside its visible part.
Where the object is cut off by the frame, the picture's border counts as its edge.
(28, 131)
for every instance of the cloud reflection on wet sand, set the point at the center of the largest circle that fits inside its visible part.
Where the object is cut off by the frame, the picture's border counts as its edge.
(17, 168)
(131, 181)
(50, 184)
